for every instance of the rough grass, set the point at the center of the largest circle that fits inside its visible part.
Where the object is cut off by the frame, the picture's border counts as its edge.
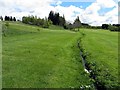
(41, 58)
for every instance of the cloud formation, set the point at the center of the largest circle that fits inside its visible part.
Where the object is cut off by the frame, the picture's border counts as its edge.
(41, 8)
(91, 13)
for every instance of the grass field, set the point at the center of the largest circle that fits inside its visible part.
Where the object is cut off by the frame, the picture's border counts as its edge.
(38, 58)
(44, 58)
(102, 47)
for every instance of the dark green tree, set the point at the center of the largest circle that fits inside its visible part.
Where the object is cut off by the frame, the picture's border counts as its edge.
(56, 19)
(7, 18)
(62, 21)
(10, 18)
(51, 16)
(14, 19)
(105, 26)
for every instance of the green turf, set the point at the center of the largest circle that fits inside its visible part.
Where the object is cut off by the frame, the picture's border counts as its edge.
(49, 58)
(38, 58)
(103, 49)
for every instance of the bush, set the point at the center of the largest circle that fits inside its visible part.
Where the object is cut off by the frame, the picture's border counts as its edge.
(113, 28)
(33, 20)
(46, 23)
(65, 26)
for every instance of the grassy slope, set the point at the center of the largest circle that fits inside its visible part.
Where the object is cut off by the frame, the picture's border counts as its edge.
(44, 58)
(103, 48)
(49, 58)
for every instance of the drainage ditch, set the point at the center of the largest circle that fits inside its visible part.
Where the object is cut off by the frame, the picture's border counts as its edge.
(98, 85)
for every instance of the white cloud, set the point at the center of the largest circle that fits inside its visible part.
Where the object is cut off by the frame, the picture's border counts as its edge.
(92, 9)
(106, 3)
(41, 8)
(59, 2)
(113, 12)
(92, 16)
(69, 12)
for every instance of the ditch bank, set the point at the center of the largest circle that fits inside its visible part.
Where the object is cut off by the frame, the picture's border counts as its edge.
(95, 71)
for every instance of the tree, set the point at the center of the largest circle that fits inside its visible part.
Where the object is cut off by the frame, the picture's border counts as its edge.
(77, 23)
(25, 20)
(14, 19)
(56, 19)
(46, 23)
(113, 28)
(10, 18)
(105, 26)
(51, 16)
(62, 21)
(1, 18)
(7, 18)
(33, 20)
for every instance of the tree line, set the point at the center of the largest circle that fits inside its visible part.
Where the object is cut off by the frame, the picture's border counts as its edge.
(60, 20)
(33, 20)
(53, 18)
(113, 27)
(8, 18)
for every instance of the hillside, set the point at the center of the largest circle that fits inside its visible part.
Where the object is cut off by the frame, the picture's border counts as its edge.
(45, 58)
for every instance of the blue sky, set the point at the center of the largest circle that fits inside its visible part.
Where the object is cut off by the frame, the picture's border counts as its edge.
(104, 10)
(83, 5)
(77, 4)
(94, 12)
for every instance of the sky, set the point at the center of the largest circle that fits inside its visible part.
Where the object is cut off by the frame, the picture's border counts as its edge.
(93, 12)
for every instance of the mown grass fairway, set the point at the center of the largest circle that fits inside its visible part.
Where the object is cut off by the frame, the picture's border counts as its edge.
(38, 58)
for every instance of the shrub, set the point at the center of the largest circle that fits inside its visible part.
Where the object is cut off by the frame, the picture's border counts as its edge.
(113, 28)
